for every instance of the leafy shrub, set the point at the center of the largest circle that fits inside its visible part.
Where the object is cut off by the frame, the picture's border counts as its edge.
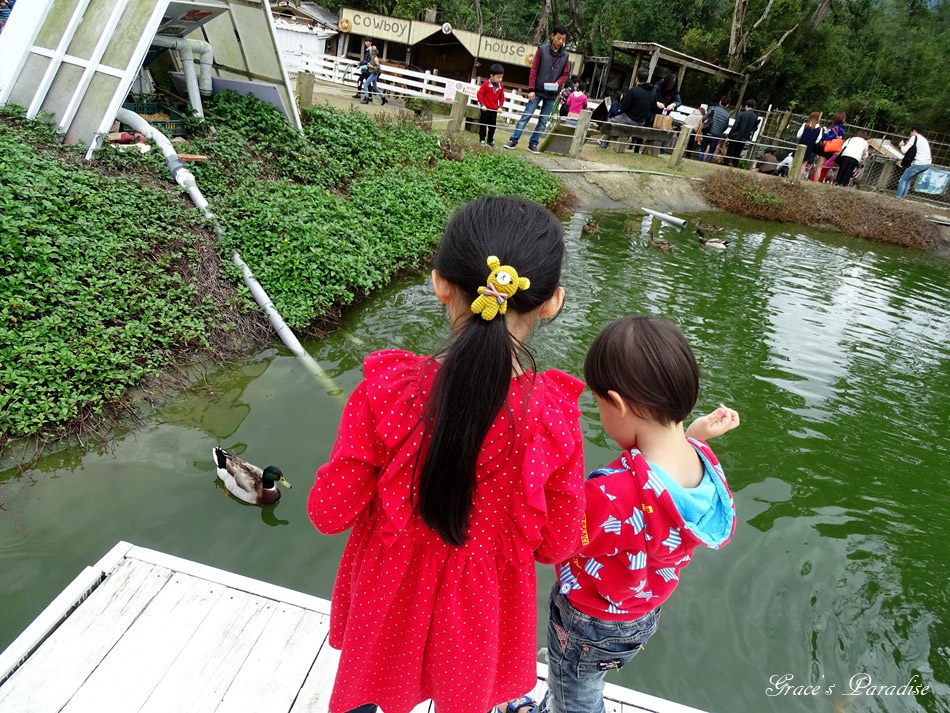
(94, 287)
(496, 174)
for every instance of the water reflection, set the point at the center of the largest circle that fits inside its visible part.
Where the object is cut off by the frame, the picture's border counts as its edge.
(837, 352)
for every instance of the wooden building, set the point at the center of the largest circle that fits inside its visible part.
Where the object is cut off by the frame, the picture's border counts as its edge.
(440, 49)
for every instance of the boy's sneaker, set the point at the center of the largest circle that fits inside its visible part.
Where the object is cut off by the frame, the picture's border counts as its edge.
(511, 144)
(482, 143)
(491, 145)
(533, 148)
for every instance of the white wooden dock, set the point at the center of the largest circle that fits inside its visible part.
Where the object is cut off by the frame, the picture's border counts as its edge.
(144, 631)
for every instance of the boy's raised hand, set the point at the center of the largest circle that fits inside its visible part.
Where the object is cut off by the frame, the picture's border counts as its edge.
(720, 421)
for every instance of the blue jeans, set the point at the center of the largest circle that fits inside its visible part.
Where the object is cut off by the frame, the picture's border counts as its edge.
(910, 173)
(591, 647)
(370, 82)
(547, 104)
(710, 142)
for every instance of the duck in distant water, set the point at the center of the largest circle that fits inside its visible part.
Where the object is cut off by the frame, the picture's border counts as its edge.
(716, 243)
(661, 244)
(247, 482)
(700, 225)
(592, 225)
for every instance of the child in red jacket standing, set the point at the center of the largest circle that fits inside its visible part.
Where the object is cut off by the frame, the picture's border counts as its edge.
(645, 514)
(491, 95)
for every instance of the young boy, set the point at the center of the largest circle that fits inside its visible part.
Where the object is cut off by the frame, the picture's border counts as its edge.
(646, 512)
(491, 95)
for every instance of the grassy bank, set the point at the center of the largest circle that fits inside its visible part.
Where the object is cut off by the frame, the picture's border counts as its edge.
(109, 277)
(866, 215)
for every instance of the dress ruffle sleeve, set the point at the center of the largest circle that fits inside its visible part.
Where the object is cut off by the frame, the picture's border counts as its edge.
(553, 470)
(345, 485)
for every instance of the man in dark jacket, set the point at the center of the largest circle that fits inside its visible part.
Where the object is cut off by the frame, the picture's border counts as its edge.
(742, 129)
(549, 70)
(364, 63)
(638, 106)
(714, 128)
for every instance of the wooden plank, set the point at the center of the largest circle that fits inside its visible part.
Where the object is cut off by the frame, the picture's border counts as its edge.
(47, 621)
(278, 665)
(314, 696)
(136, 664)
(205, 669)
(51, 676)
(235, 581)
(57, 610)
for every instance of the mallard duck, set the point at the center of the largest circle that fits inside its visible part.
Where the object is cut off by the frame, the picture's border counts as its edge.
(592, 225)
(700, 225)
(248, 482)
(711, 242)
(661, 244)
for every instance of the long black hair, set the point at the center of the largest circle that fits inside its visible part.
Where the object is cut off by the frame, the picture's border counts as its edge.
(473, 380)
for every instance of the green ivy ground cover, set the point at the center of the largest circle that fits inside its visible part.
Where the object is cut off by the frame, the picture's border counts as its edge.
(99, 261)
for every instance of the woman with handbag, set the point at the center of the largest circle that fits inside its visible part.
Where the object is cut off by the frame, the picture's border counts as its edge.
(809, 135)
(375, 69)
(831, 143)
(916, 159)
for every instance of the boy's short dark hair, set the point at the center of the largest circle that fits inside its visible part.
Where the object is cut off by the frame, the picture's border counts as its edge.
(725, 101)
(750, 103)
(643, 74)
(648, 361)
(496, 69)
(559, 29)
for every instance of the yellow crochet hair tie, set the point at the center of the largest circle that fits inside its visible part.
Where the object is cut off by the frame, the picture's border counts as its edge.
(502, 283)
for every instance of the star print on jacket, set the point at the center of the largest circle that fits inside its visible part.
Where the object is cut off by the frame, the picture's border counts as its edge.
(635, 540)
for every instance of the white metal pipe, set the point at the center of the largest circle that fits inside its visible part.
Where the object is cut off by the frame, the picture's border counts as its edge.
(666, 218)
(191, 81)
(186, 53)
(186, 179)
(191, 48)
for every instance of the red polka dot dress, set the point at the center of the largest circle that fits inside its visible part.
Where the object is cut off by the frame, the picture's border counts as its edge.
(416, 618)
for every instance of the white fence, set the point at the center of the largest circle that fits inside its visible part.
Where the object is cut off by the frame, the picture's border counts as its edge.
(405, 82)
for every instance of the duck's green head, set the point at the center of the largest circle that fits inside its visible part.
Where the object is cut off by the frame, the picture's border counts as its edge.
(271, 475)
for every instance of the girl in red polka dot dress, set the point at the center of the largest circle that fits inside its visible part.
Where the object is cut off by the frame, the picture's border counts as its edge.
(456, 472)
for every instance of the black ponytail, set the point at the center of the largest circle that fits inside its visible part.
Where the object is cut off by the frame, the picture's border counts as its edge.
(474, 378)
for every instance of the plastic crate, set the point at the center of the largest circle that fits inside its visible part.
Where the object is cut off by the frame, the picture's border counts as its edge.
(174, 126)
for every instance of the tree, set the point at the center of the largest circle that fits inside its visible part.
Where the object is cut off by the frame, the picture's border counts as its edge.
(738, 40)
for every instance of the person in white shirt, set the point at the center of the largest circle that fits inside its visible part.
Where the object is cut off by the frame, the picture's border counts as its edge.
(921, 161)
(853, 152)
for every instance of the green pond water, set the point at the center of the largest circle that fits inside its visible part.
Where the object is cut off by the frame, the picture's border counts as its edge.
(836, 352)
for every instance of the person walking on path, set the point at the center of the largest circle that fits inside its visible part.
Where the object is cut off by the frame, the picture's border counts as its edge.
(714, 128)
(364, 67)
(549, 70)
(742, 129)
(491, 96)
(375, 69)
(854, 151)
(916, 159)
(456, 472)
